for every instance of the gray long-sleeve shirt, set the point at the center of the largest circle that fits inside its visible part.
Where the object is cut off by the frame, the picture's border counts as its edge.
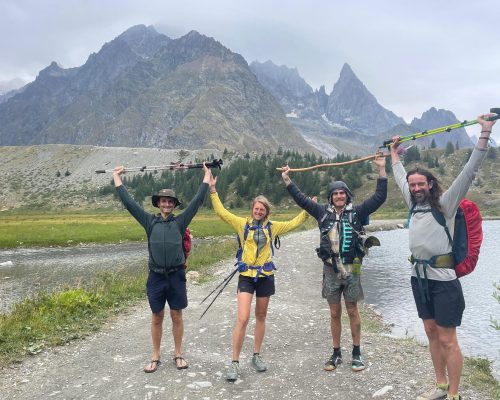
(426, 237)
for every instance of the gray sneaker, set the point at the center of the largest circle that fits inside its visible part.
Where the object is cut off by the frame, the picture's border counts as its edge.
(233, 373)
(259, 363)
(357, 363)
(433, 394)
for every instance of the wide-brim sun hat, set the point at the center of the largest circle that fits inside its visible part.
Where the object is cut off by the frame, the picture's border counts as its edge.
(164, 193)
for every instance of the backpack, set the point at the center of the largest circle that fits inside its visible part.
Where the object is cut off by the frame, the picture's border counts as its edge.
(467, 238)
(186, 243)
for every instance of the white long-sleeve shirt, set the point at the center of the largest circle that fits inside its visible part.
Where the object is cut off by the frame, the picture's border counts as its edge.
(426, 237)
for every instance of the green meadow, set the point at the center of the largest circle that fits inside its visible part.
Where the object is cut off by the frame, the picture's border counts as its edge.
(69, 228)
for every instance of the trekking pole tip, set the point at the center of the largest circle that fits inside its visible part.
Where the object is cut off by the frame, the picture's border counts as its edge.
(100, 171)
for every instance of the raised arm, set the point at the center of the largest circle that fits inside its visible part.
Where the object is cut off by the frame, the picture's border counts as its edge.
(185, 218)
(233, 220)
(313, 208)
(130, 204)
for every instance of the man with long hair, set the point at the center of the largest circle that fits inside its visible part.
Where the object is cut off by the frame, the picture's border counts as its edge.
(436, 289)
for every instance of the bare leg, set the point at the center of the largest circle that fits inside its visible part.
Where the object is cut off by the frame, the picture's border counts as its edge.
(437, 356)
(336, 323)
(156, 333)
(452, 356)
(178, 333)
(244, 302)
(261, 306)
(354, 321)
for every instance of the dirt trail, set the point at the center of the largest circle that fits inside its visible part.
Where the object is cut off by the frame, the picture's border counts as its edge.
(109, 365)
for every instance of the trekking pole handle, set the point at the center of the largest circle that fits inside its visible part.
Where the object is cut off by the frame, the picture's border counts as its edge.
(497, 116)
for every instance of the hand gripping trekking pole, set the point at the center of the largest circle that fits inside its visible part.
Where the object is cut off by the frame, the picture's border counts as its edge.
(176, 166)
(225, 282)
(447, 128)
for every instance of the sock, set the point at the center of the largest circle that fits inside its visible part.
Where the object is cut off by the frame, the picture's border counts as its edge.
(443, 386)
(337, 352)
(256, 354)
(236, 361)
(356, 350)
(453, 397)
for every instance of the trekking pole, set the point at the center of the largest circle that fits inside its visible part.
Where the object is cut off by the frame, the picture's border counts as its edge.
(220, 291)
(339, 164)
(446, 128)
(219, 285)
(175, 166)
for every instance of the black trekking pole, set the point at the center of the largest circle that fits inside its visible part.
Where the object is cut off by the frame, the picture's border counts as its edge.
(175, 166)
(446, 128)
(225, 282)
(218, 286)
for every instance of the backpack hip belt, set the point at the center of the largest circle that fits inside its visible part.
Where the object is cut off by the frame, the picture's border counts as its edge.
(439, 261)
(167, 270)
(267, 267)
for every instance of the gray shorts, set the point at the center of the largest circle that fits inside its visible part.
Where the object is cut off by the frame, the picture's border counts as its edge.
(334, 287)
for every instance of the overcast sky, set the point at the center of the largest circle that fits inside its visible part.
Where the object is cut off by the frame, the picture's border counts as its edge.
(412, 55)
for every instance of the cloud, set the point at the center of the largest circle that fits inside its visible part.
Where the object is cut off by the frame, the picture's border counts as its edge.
(411, 56)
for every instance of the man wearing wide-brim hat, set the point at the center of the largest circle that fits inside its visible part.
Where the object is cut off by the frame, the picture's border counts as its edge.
(167, 277)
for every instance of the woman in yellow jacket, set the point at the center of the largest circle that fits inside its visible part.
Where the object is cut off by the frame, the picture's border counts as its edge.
(255, 234)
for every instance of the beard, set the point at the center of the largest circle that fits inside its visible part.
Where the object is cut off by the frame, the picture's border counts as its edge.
(420, 197)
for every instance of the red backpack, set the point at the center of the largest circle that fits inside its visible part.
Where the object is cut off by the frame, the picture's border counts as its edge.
(186, 244)
(468, 236)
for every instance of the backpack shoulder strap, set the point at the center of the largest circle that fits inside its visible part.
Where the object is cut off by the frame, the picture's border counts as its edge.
(439, 217)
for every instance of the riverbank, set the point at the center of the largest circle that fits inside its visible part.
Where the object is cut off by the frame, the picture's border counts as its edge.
(109, 364)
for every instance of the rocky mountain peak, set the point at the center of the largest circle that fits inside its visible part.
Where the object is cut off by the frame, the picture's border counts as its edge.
(283, 82)
(353, 106)
(143, 40)
(435, 118)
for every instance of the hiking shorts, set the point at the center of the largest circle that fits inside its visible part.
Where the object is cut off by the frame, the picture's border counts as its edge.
(169, 288)
(446, 305)
(264, 287)
(334, 287)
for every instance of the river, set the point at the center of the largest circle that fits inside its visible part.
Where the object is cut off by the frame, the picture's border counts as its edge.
(386, 282)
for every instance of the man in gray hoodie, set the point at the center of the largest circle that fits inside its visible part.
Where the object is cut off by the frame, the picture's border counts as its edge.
(436, 289)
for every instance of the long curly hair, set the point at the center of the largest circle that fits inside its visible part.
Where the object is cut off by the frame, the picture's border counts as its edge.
(435, 191)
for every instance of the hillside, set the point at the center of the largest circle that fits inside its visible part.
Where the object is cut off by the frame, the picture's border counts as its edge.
(28, 175)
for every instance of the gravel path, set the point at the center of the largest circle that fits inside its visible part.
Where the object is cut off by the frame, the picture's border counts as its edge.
(108, 365)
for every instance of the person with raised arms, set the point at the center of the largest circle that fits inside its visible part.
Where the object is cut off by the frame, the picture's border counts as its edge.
(167, 277)
(436, 289)
(342, 250)
(256, 270)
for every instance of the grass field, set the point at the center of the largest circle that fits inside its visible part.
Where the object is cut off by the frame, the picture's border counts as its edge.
(69, 228)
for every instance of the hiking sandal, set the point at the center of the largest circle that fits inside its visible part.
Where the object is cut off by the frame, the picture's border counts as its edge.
(154, 364)
(178, 360)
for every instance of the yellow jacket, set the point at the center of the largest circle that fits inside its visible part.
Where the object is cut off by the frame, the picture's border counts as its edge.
(250, 256)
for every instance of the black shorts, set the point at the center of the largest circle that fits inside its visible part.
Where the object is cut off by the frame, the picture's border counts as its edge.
(446, 305)
(169, 288)
(264, 287)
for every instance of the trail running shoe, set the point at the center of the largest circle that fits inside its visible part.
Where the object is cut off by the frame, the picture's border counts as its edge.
(233, 373)
(333, 362)
(357, 363)
(434, 394)
(259, 363)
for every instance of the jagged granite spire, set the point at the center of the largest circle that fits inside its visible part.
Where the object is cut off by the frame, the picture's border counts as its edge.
(352, 105)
